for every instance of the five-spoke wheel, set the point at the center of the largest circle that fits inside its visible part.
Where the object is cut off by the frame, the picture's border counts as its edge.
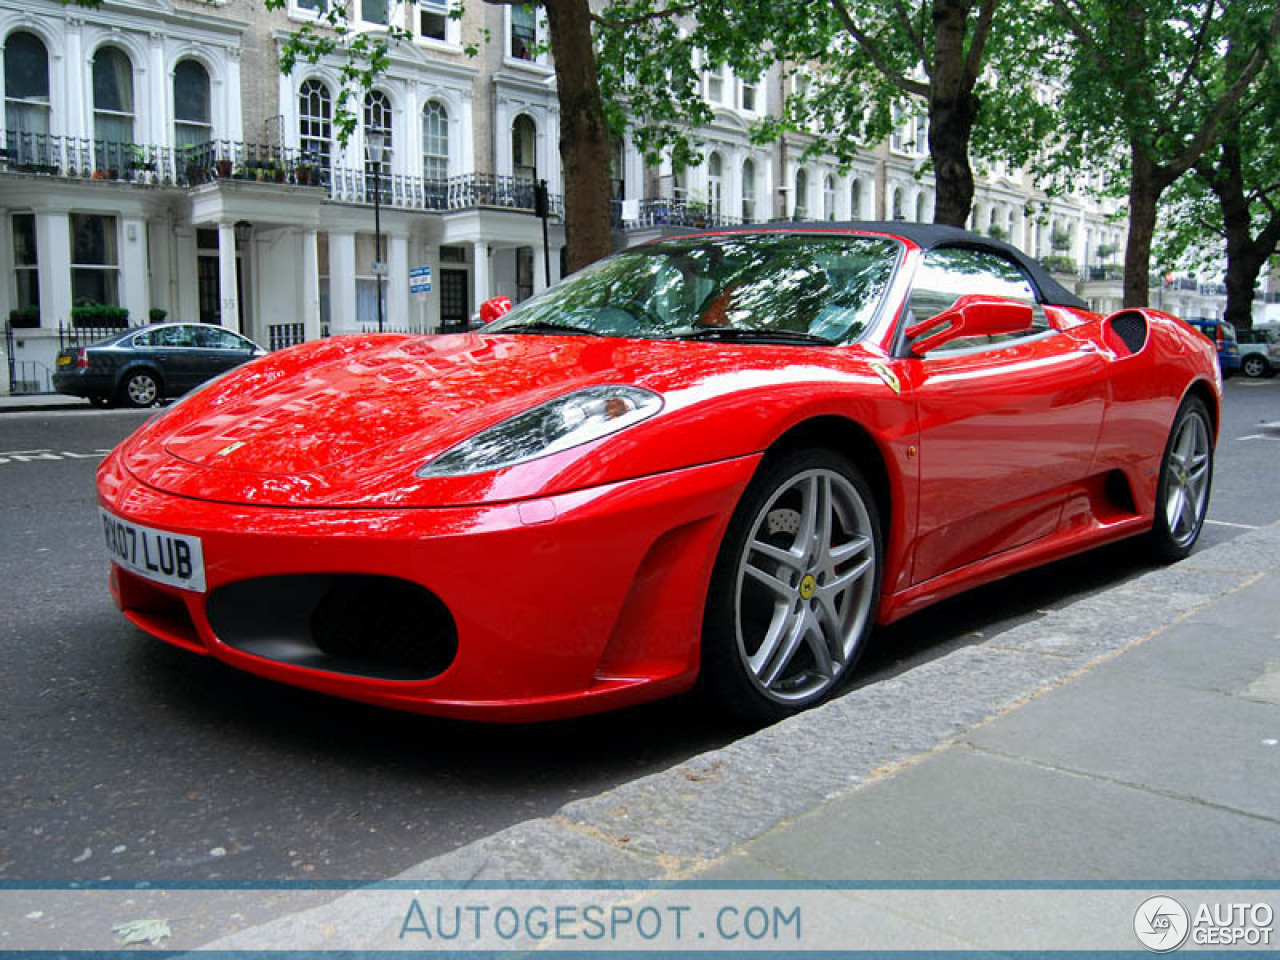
(794, 592)
(1185, 478)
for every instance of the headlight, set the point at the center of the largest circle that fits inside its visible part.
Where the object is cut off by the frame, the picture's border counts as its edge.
(568, 421)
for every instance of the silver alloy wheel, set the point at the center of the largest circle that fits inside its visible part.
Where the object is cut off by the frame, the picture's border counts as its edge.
(141, 389)
(805, 585)
(1186, 479)
(1255, 367)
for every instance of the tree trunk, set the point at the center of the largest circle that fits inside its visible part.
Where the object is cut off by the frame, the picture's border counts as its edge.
(1246, 254)
(953, 108)
(584, 137)
(1144, 195)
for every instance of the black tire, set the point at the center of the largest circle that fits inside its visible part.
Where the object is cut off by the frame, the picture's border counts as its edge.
(1186, 472)
(139, 388)
(784, 582)
(1256, 367)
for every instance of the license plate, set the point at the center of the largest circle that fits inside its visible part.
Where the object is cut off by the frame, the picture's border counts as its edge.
(64, 361)
(158, 555)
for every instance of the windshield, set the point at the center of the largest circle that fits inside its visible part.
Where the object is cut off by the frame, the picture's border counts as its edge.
(786, 288)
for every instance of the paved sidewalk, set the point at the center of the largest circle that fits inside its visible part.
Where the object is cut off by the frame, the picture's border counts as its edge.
(40, 402)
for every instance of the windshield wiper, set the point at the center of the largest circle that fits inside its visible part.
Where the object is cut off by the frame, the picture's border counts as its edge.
(543, 326)
(740, 335)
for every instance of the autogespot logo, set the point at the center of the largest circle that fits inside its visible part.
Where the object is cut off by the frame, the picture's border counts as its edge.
(1161, 924)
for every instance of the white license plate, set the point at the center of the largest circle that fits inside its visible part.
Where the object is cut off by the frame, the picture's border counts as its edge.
(157, 555)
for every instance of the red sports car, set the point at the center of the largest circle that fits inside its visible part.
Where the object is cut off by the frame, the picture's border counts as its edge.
(717, 458)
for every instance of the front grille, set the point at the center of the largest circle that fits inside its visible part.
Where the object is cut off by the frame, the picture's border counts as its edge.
(369, 626)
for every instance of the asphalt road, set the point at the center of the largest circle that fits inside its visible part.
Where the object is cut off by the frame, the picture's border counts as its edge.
(123, 758)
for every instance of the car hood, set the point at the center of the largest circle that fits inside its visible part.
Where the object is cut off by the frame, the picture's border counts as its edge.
(349, 420)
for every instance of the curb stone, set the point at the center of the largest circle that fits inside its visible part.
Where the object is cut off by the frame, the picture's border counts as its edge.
(667, 826)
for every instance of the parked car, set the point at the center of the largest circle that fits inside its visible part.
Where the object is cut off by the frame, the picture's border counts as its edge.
(1259, 352)
(721, 457)
(1223, 336)
(135, 368)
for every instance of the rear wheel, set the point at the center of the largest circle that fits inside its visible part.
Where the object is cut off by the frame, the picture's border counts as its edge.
(140, 389)
(1186, 476)
(794, 590)
(1255, 367)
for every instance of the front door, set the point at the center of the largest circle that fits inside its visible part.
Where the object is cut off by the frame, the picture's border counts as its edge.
(1007, 424)
(455, 292)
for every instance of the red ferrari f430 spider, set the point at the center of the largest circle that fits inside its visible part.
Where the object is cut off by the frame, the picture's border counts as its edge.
(720, 458)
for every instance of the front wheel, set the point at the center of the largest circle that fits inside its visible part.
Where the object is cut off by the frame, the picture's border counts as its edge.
(795, 586)
(1186, 476)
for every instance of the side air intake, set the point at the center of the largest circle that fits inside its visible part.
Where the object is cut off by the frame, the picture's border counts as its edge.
(1127, 331)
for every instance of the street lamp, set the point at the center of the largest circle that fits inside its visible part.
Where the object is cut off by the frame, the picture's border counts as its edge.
(375, 143)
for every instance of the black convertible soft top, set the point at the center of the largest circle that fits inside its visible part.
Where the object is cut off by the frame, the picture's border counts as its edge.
(932, 236)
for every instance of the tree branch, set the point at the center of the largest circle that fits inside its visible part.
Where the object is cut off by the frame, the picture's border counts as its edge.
(913, 87)
(915, 36)
(981, 31)
(1194, 62)
(625, 23)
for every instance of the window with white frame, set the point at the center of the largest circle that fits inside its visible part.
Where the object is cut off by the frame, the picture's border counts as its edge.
(896, 205)
(375, 11)
(315, 123)
(113, 108)
(310, 6)
(801, 208)
(524, 33)
(524, 140)
(377, 120)
(750, 94)
(748, 190)
(716, 84)
(26, 92)
(855, 199)
(829, 197)
(921, 206)
(192, 120)
(95, 259)
(434, 22)
(26, 269)
(435, 141)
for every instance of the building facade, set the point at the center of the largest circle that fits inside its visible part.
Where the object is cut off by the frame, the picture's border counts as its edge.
(158, 164)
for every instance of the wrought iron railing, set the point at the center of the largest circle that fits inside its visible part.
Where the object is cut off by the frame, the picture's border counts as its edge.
(281, 335)
(220, 160)
(659, 212)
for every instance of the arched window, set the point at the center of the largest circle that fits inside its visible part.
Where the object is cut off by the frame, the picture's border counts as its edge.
(679, 182)
(715, 184)
(829, 198)
(192, 122)
(315, 123)
(524, 139)
(617, 169)
(855, 199)
(801, 208)
(112, 107)
(26, 84)
(748, 190)
(435, 141)
(377, 119)
(897, 204)
(920, 207)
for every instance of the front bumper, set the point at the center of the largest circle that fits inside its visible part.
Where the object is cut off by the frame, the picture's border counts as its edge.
(563, 605)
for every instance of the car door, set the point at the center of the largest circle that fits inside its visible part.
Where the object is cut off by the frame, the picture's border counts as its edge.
(1007, 424)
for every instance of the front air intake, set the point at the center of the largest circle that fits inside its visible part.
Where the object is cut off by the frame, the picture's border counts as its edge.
(379, 627)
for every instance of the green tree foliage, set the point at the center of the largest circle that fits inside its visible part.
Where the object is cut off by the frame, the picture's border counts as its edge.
(1152, 85)
(1231, 205)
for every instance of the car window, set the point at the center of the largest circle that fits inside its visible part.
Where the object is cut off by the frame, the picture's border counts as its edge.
(216, 338)
(165, 337)
(947, 274)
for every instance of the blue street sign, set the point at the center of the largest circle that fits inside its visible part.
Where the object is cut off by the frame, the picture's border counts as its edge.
(420, 279)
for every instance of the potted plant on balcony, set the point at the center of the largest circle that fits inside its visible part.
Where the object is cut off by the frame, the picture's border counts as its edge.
(89, 313)
(26, 318)
(157, 314)
(305, 173)
(139, 159)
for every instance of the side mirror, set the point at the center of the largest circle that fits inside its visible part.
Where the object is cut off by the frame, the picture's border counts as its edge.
(973, 315)
(493, 308)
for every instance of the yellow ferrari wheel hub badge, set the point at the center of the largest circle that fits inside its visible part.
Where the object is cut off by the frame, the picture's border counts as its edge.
(808, 586)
